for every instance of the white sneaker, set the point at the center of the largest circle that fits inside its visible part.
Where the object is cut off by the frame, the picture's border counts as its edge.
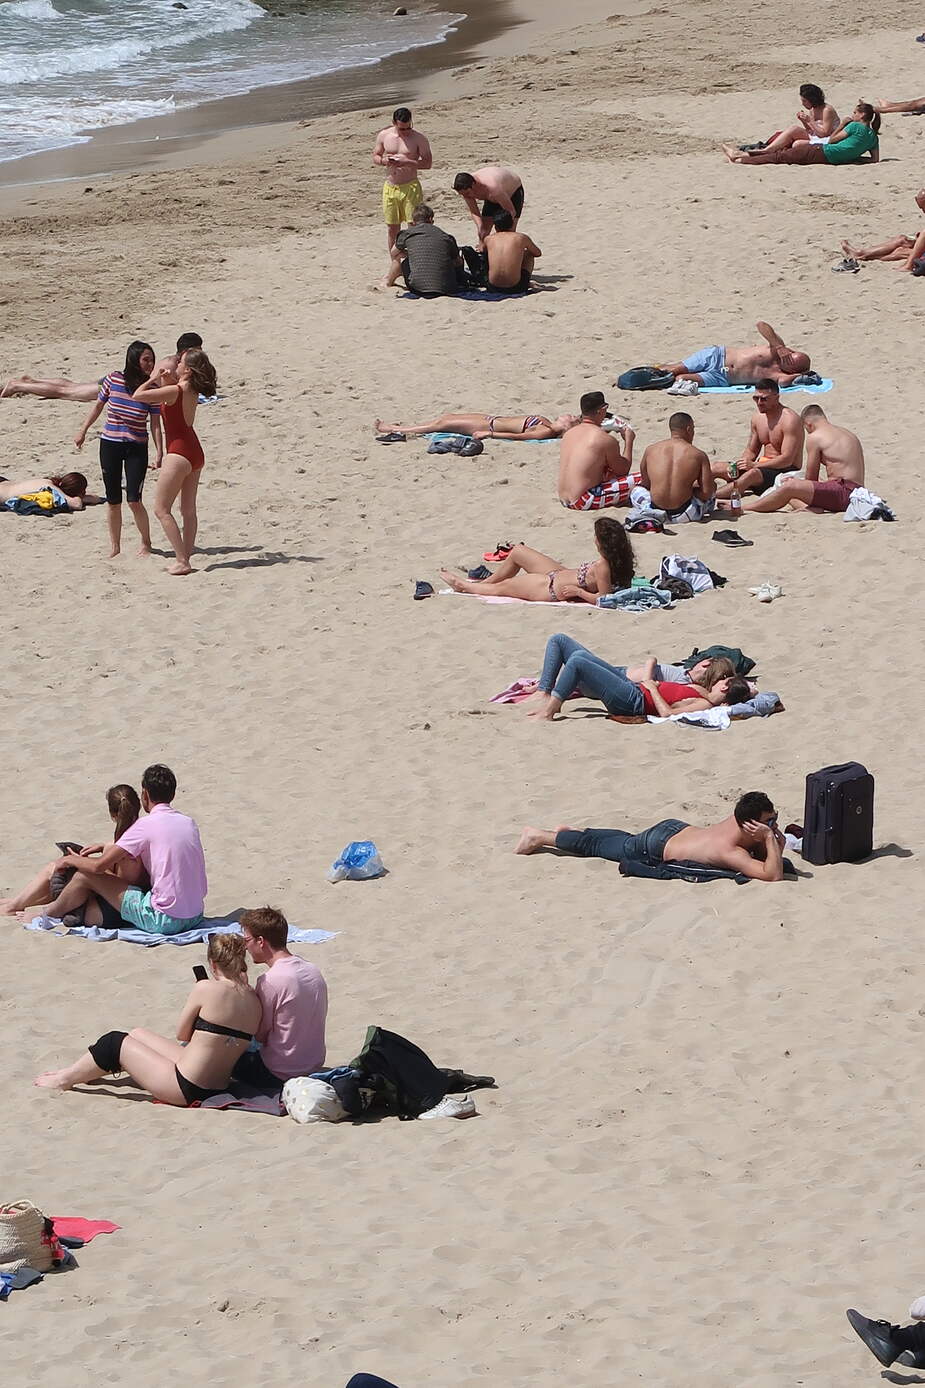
(767, 592)
(453, 1106)
(683, 388)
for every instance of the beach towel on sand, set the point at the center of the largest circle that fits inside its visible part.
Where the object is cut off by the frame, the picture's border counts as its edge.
(824, 386)
(210, 926)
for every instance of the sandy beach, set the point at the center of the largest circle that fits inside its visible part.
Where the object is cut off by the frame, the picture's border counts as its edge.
(700, 1150)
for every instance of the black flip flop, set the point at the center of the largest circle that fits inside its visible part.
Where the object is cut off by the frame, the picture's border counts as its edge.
(731, 538)
(394, 437)
(422, 589)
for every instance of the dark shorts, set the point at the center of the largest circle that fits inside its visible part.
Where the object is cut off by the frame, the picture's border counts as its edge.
(492, 209)
(117, 455)
(520, 288)
(832, 495)
(769, 476)
(250, 1070)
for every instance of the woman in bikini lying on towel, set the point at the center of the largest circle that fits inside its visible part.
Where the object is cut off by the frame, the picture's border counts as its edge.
(569, 667)
(481, 426)
(534, 577)
(218, 1023)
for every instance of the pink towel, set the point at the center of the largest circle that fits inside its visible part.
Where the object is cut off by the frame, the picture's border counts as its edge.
(516, 692)
(73, 1227)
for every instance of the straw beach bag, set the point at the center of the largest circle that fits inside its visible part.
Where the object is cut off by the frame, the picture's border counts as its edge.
(27, 1238)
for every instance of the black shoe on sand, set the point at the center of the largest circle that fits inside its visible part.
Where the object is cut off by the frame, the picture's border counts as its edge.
(422, 589)
(731, 538)
(877, 1336)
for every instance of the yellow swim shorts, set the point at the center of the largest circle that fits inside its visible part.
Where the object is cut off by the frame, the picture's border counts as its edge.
(399, 202)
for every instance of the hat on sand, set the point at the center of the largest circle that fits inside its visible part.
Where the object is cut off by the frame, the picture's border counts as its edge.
(27, 1238)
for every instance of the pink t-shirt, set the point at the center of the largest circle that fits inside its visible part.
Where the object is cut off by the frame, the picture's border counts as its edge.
(294, 997)
(168, 844)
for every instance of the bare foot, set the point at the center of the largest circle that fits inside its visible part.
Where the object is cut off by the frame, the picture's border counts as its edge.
(115, 552)
(8, 906)
(52, 1079)
(458, 585)
(145, 552)
(380, 427)
(734, 155)
(9, 389)
(546, 711)
(179, 569)
(530, 840)
(564, 829)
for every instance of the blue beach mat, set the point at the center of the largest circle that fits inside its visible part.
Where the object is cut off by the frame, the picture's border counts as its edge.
(209, 926)
(747, 390)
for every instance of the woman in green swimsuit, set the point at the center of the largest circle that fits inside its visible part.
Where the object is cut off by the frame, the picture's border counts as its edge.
(857, 137)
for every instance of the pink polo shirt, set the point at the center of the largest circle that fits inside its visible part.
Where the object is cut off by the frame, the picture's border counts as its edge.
(168, 844)
(294, 997)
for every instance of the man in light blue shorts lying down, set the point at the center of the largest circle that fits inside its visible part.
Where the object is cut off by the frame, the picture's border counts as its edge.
(743, 366)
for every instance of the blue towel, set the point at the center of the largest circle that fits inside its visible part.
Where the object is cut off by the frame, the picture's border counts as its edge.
(785, 390)
(210, 926)
(635, 599)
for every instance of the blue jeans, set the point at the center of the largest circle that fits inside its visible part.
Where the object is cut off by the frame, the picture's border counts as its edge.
(618, 845)
(568, 665)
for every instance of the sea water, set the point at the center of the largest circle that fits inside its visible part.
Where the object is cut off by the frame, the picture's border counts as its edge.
(68, 67)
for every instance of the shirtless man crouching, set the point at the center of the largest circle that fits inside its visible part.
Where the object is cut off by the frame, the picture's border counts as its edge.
(775, 445)
(747, 841)
(838, 451)
(593, 472)
(510, 256)
(676, 476)
(500, 189)
(743, 366)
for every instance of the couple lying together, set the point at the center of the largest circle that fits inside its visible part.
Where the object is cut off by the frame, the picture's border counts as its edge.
(221, 1018)
(649, 688)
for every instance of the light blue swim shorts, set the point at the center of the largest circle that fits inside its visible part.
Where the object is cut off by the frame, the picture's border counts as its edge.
(136, 907)
(710, 363)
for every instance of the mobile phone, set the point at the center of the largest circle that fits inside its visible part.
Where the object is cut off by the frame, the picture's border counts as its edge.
(200, 973)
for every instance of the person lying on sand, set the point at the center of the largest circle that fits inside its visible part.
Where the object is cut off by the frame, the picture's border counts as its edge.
(676, 476)
(593, 472)
(568, 666)
(167, 844)
(775, 445)
(60, 388)
(904, 250)
(68, 492)
(500, 189)
(815, 121)
(517, 428)
(124, 809)
(747, 841)
(914, 107)
(743, 366)
(894, 1344)
(534, 577)
(856, 138)
(216, 1026)
(829, 446)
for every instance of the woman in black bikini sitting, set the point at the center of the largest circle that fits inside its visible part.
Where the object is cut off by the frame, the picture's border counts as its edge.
(172, 1072)
(534, 577)
(482, 426)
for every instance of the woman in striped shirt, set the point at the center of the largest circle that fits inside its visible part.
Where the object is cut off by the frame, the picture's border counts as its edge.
(124, 441)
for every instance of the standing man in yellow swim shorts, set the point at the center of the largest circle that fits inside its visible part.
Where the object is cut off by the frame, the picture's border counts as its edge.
(401, 150)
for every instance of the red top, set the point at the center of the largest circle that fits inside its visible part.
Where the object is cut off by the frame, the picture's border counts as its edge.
(671, 693)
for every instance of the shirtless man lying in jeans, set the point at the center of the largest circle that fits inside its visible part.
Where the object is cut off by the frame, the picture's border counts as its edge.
(593, 473)
(747, 841)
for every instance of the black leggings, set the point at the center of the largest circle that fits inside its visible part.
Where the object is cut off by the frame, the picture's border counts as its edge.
(116, 454)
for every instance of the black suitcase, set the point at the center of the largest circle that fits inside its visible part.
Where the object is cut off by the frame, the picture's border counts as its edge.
(838, 818)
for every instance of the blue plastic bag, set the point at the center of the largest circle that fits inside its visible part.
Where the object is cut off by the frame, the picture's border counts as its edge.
(359, 860)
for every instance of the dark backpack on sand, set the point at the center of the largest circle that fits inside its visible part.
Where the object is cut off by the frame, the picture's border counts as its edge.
(645, 378)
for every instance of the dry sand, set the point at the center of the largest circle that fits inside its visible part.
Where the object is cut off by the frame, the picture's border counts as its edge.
(700, 1151)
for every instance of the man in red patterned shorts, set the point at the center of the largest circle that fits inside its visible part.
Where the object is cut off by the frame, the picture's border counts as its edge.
(838, 451)
(593, 473)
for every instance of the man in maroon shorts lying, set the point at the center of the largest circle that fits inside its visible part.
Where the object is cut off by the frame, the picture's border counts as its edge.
(838, 451)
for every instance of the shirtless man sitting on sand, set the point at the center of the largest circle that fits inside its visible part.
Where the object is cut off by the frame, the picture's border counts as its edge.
(518, 427)
(593, 473)
(747, 841)
(676, 476)
(510, 257)
(775, 445)
(500, 190)
(742, 366)
(838, 451)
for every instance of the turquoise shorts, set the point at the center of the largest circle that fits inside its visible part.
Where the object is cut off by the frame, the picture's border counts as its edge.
(137, 909)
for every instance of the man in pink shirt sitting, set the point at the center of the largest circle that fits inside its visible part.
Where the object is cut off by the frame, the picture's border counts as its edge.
(168, 844)
(294, 997)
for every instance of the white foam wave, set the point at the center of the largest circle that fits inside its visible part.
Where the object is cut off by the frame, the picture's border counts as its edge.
(32, 9)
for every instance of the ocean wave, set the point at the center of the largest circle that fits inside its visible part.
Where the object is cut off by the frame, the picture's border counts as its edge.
(30, 9)
(30, 65)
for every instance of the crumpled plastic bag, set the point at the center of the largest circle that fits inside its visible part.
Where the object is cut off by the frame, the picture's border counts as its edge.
(312, 1101)
(358, 861)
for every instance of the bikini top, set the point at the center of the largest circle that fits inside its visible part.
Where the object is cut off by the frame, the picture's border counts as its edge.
(217, 1029)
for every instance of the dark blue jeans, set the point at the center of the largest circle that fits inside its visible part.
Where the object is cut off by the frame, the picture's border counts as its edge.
(618, 845)
(568, 665)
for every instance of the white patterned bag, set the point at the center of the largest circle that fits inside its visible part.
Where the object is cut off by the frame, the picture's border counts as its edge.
(312, 1101)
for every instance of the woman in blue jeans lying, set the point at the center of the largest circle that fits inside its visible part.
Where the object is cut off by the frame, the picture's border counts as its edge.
(569, 667)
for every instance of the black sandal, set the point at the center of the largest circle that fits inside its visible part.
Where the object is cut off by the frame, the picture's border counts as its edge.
(731, 538)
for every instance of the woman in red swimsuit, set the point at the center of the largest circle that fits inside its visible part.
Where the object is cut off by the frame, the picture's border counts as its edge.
(181, 468)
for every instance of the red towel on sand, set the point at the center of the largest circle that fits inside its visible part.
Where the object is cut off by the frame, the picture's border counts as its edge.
(72, 1227)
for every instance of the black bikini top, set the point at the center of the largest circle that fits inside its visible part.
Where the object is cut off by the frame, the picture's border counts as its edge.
(217, 1029)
